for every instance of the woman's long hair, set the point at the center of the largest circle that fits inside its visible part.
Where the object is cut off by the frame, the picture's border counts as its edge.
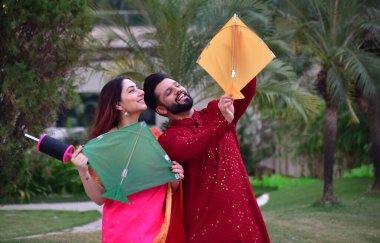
(106, 115)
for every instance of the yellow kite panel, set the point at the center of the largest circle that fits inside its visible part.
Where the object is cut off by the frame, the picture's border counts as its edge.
(234, 56)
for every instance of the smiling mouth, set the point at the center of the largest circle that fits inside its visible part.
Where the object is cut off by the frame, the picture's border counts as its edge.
(180, 96)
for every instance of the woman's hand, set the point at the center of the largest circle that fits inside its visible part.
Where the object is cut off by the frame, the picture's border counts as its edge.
(178, 169)
(80, 160)
(226, 107)
(92, 189)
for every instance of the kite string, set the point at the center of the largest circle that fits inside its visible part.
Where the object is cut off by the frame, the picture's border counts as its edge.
(124, 174)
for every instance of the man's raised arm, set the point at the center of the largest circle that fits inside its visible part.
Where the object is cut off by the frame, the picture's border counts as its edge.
(241, 105)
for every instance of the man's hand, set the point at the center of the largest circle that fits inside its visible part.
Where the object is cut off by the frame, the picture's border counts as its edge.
(226, 106)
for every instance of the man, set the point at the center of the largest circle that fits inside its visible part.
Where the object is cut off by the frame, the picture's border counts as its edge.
(219, 203)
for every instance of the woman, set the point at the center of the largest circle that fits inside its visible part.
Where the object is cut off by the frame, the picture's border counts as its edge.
(145, 219)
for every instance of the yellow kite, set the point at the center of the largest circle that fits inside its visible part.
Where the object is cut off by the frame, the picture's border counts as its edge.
(234, 56)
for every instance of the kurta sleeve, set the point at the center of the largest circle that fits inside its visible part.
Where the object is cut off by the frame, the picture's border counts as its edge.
(241, 105)
(184, 147)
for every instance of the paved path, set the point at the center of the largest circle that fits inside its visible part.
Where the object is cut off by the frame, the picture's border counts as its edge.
(70, 206)
(83, 206)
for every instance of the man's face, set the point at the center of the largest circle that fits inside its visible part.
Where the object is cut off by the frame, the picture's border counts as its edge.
(172, 96)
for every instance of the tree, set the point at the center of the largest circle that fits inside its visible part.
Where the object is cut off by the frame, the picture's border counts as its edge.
(175, 33)
(369, 104)
(41, 43)
(330, 32)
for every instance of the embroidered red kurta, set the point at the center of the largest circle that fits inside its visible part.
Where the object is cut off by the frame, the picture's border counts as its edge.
(218, 199)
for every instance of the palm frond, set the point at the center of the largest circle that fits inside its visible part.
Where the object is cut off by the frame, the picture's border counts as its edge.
(284, 97)
(335, 85)
(333, 32)
(279, 89)
(364, 67)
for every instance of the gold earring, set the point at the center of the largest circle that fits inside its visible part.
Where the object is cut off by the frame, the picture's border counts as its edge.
(125, 113)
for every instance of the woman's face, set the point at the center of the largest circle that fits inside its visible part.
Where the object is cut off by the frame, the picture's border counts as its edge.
(132, 98)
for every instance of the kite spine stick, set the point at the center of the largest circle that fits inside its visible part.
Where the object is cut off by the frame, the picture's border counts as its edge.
(233, 56)
(130, 156)
(233, 72)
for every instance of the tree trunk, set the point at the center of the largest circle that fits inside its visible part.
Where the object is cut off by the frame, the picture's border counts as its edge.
(372, 111)
(329, 140)
(370, 108)
(374, 130)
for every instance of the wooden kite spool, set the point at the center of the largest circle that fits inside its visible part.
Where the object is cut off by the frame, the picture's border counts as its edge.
(53, 147)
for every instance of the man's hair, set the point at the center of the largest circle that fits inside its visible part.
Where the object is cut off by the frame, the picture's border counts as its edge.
(150, 84)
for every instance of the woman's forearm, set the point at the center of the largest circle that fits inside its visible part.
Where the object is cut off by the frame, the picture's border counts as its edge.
(93, 190)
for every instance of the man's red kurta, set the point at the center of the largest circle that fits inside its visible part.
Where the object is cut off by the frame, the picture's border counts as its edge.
(218, 199)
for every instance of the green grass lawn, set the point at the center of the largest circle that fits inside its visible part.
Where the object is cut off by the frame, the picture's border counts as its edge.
(17, 223)
(293, 215)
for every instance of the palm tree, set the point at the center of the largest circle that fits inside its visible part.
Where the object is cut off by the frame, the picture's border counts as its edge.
(370, 104)
(177, 31)
(328, 30)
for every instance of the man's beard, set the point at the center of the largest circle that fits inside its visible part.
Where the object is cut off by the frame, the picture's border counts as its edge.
(179, 108)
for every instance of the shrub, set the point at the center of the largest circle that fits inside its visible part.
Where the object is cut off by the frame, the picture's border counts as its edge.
(41, 43)
(362, 171)
(42, 175)
(280, 182)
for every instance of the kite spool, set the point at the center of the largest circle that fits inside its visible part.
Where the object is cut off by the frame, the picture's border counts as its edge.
(53, 147)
